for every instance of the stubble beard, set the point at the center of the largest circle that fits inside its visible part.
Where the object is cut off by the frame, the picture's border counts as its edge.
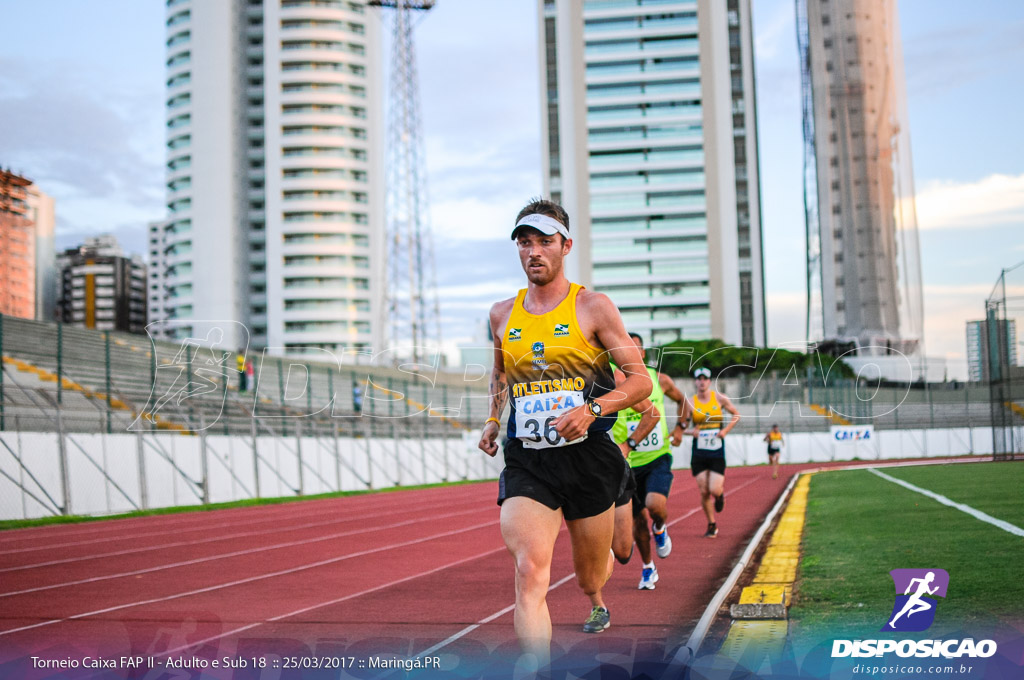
(543, 276)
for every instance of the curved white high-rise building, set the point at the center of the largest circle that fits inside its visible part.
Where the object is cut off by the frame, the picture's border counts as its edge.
(274, 172)
(864, 262)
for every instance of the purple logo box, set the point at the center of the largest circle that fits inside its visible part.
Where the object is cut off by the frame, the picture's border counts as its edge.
(915, 605)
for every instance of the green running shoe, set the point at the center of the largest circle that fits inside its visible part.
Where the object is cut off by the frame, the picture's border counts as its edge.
(597, 621)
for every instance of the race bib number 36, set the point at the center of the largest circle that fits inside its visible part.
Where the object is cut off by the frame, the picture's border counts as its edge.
(536, 414)
(652, 442)
(708, 440)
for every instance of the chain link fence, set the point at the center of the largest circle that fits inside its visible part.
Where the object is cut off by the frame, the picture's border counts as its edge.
(998, 348)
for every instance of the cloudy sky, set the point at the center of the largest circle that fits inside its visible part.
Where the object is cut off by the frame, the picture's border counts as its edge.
(81, 113)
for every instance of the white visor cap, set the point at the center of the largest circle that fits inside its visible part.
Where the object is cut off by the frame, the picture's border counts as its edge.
(542, 223)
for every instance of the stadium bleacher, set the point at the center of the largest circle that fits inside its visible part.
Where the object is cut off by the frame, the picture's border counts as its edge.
(118, 382)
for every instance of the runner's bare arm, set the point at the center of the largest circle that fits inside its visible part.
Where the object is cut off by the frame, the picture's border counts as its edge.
(649, 417)
(603, 317)
(498, 390)
(686, 417)
(728, 408)
(668, 386)
(602, 325)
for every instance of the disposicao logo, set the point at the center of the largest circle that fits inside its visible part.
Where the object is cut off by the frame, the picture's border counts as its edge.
(914, 611)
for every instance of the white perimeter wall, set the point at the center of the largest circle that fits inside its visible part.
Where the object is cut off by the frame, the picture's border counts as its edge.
(172, 467)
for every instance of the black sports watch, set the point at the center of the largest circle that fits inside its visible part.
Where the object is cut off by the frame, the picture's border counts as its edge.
(631, 443)
(595, 408)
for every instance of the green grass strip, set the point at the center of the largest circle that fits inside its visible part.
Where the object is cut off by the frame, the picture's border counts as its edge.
(249, 502)
(859, 527)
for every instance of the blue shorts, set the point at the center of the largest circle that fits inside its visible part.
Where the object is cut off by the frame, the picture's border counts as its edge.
(654, 477)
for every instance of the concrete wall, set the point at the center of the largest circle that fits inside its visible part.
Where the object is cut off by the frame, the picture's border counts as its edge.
(163, 470)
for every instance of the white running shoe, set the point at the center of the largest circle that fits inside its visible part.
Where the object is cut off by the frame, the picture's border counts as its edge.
(662, 542)
(648, 578)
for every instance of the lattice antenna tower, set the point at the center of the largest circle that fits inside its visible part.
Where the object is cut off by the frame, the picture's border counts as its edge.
(413, 310)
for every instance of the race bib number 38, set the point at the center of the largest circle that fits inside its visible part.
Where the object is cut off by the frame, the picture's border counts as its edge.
(652, 442)
(536, 414)
(708, 440)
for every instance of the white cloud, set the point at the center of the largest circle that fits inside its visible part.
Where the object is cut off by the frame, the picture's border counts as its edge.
(488, 290)
(993, 201)
(475, 218)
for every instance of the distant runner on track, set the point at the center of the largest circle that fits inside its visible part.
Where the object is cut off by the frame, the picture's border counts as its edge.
(551, 356)
(775, 443)
(708, 460)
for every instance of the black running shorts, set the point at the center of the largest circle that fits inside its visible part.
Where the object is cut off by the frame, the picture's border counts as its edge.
(627, 494)
(716, 462)
(582, 479)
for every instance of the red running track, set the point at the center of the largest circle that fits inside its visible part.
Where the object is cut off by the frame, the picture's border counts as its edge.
(394, 573)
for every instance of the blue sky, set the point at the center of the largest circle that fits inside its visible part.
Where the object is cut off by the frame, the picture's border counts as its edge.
(81, 112)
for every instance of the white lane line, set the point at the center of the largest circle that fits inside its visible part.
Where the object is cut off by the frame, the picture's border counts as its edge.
(186, 519)
(250, 579)
(238, 553)
(212, 539)
(351, 596)
(977, 514)
(487, 619)
(239, 515)
(201, 527)
(501, 612)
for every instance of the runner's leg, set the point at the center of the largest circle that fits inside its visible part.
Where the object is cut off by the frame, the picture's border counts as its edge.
(642, 536)
(530, 529)
(706, 500)
(591, 541)
(716, 486)
(657, 506)
(622, 542)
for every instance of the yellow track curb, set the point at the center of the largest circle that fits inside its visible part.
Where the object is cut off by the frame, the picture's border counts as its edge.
(751, 641)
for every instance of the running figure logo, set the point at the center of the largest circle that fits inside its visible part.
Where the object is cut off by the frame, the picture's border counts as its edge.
(914, 610)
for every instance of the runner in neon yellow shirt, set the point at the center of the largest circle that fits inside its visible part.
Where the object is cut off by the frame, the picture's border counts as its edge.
(650, 458)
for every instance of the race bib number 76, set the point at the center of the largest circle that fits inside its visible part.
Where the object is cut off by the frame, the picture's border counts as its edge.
(708, 440)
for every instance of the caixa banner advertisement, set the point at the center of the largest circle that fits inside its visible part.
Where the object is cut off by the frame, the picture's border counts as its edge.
(860, 438)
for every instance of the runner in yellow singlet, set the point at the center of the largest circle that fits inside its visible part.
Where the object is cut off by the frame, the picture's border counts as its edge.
(708, 460)
(774, 439)
(552, 343)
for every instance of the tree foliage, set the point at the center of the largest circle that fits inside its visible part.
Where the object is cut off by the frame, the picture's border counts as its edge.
(682, 357)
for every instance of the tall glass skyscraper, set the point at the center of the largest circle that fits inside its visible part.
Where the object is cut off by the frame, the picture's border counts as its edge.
(864, 271)
(274, 172)
(650, 142)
